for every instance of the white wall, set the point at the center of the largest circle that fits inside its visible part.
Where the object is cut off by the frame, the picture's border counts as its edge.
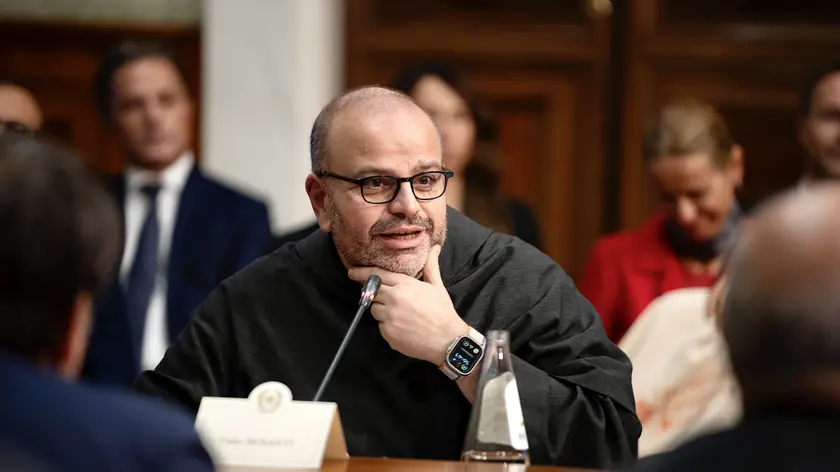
(269, 67)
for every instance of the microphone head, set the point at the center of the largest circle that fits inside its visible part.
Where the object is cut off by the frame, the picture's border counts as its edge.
(370, 289)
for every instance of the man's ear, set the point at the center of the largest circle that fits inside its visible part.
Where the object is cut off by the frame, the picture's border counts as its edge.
(736, 164)
(73, 350)
(802, 133)
(318, 198)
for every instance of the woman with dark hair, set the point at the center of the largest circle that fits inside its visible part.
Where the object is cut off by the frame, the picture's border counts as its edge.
(470, 148)
(697, 168)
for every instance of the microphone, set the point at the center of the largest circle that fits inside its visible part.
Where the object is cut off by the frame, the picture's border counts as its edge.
(369, 291)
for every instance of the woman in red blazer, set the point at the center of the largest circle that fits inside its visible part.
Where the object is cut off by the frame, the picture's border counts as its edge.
(696, 167)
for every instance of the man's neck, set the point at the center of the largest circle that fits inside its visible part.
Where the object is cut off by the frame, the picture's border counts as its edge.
(813, 392)
(140, 165)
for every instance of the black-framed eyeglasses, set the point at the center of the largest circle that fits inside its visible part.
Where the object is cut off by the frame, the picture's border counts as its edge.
(378, 189)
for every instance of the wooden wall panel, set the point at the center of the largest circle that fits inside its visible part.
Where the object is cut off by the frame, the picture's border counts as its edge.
(739, 12)
(746, 57)
(542, 65)
(56, 61)
(537, 136)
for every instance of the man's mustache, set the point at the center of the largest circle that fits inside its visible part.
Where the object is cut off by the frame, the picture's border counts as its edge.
(383, 226)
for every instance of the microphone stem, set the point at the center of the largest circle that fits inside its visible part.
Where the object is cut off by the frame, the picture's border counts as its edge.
(340, 351)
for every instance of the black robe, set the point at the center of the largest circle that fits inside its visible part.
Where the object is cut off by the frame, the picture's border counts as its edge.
(283, 317)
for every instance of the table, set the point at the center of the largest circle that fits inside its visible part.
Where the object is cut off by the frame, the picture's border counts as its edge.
(364, 464)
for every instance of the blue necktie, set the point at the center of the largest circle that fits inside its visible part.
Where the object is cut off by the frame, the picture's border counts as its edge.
(141, 279)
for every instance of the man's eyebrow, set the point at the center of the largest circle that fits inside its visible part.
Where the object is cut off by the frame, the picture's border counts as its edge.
(373, 170)
(428, 166)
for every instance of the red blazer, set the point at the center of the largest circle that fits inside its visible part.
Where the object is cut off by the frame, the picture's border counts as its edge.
(628, 270)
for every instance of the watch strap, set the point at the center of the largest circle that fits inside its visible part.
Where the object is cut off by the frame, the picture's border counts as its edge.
(477, 336)
(449, 372)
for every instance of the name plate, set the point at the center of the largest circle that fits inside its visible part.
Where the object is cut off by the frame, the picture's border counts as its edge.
(269, 430)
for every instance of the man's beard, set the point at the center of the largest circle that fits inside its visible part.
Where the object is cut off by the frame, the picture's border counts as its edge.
(373, 252)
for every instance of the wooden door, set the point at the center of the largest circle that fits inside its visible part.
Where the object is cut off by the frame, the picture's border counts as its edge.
(747, 57)
(541, 64)
(56, 62)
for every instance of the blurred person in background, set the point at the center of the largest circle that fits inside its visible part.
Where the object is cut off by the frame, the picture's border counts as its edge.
(58, 246)
(19, 110)
(470, 148)
(184, 232)
(779, 321)
(697, 167)
(819, 125)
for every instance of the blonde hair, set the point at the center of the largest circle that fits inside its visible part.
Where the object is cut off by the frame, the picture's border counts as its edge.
(686, 127)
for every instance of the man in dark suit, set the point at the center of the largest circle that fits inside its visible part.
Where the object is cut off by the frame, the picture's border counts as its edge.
(780, 322)
(184, 232)
(58, 245)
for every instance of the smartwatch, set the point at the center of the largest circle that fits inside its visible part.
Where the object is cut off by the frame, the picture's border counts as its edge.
(463, 355)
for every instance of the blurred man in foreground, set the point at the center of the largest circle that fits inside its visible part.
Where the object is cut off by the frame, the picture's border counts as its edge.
(781, 326)
(58, 245)
(376, 186)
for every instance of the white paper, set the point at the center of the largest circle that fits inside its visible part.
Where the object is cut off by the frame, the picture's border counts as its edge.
(515, 420)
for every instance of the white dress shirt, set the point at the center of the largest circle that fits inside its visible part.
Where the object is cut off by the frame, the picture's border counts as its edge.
(172, 181)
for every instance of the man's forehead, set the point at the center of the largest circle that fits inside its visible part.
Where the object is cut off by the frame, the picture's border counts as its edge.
(148, 72)
(796, 227)
(384, 139)
(19, 105)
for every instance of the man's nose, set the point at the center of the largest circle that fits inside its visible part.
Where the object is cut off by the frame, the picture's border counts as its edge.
(405, 203)
(154, 115)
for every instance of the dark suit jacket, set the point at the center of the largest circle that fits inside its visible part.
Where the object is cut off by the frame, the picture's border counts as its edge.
(52, 425)
(218, 231)
(628, 270)
(784, 441)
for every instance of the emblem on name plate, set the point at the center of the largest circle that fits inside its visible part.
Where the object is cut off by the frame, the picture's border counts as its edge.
(268, 397)
(269, 401)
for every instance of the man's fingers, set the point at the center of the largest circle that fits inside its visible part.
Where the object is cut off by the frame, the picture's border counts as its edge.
(379, 312)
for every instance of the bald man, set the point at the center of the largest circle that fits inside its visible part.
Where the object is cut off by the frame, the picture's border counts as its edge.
(18, 107)
(405, 384)
(781, 323)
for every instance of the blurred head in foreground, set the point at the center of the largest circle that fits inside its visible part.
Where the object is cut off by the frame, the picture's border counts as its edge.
(58, 245)
(780, 311)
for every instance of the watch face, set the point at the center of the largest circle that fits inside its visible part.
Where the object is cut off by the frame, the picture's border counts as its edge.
(465, 355)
